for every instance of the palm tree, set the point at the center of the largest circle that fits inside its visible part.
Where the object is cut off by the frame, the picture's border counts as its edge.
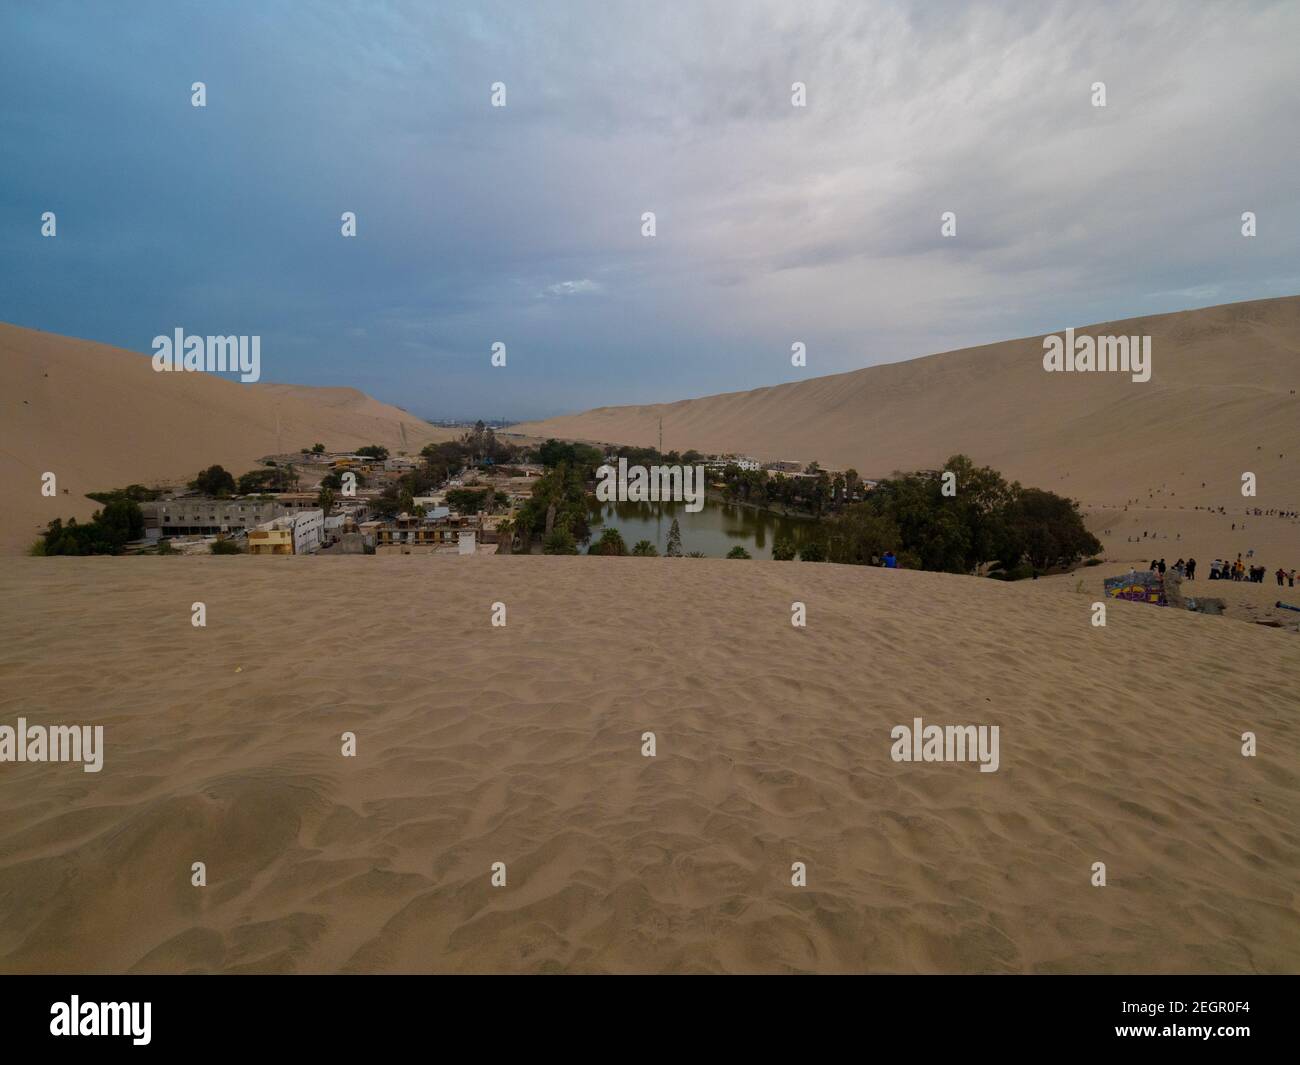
(645, 549)
(611, 542)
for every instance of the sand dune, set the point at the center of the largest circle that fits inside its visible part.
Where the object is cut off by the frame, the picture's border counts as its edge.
(522, 745)
(100, 418)
(1218, 403)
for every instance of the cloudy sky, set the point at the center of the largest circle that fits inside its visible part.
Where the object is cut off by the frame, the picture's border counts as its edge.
(522, 224)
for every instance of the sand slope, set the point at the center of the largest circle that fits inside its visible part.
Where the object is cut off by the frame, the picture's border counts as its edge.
(100, 418)
(1218, 403)
(521, 744)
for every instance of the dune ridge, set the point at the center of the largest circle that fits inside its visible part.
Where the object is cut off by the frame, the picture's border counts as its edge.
(1218, 403)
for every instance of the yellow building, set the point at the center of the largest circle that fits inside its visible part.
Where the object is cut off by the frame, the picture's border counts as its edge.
(270, 541)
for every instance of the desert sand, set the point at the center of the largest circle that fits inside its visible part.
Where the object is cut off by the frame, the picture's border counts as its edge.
(522, 745)
(1219, 403)
(99, 418)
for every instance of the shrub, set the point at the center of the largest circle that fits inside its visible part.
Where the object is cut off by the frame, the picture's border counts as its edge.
(738, 552)
(560, 542)
(610, 543)
(783, 550)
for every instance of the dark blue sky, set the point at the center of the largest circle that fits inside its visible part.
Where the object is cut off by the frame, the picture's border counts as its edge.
(521, 224)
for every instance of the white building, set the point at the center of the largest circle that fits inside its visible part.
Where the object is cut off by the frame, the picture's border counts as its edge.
(721, 462)
(308, 531)
(308, 528)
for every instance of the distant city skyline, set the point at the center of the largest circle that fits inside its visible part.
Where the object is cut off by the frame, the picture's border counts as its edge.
(776, 224)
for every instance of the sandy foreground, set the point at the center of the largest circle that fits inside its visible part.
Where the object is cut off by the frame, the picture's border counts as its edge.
(522, 745)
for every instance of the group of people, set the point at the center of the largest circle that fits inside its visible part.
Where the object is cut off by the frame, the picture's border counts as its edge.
(1271, 512)
(1223, 570)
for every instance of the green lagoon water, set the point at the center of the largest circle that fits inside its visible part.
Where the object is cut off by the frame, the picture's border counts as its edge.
(715, 530)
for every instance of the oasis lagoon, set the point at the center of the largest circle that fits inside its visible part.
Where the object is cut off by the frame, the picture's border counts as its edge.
(713, 530)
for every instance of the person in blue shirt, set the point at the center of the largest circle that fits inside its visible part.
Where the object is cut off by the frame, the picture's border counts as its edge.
(890, 561)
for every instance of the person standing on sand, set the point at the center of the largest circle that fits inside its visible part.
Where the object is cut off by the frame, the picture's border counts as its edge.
(1290, 579)
(891, 561)
(1191, 569)
(1281, 573)
(1162, 567)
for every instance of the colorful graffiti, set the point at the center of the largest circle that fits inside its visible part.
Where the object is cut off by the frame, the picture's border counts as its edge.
(1138, 587)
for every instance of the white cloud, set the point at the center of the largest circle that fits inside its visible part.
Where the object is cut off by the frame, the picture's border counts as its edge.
(584, 287)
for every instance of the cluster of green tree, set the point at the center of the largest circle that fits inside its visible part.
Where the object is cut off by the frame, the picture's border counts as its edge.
(373, 451)
(988, 524)
(649, 456)
(224, 546)
(483, 447)
(268, 479)
(556, 513)
(472, 500)
(583, 458)
(819, 494)
(107, 532)
(215, 481)
(136, 493)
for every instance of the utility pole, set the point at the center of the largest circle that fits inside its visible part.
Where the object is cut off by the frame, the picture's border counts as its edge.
(661, 436)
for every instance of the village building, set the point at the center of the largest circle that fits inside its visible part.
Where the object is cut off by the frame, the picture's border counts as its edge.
(302, 531)
(201, 516)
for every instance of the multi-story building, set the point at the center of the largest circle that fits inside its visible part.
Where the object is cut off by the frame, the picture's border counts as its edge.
(308, 530)
(200, 516)
(412, 534)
